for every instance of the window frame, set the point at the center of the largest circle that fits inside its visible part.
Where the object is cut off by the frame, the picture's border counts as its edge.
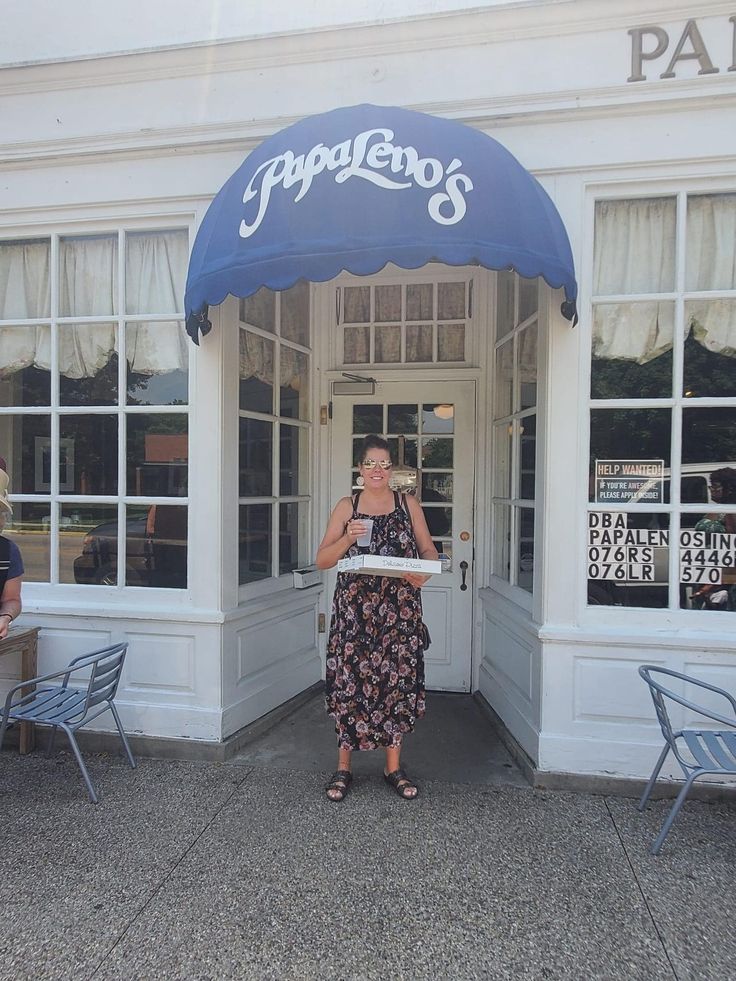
(120, 227)
(259, 587)
(676, 402)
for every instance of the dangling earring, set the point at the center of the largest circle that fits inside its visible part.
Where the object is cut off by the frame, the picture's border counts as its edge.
(359, 480)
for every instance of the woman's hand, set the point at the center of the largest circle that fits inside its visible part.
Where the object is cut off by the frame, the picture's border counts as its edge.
(355, 528)
(416, 579)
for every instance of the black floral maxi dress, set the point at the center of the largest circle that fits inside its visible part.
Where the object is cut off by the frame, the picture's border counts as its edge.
(375, 655)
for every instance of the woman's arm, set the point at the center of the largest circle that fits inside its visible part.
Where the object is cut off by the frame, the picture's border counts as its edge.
(425, 545)
(338, 538)
(10, 604)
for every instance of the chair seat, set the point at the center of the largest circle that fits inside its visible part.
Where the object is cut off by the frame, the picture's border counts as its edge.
(712, 749)
(51, 706)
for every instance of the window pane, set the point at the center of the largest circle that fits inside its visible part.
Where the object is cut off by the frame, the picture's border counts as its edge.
(438, 418)
(292, 536)
(357, 304)
(156, 546)
(505, 318)
(88, 364)
(295, 313)
(632, 350)
(634, 246)
(256, 372)
(526, 350)
(88, 454)
(451, 301)
(158, 363)
(437, 452)
(256, 458)
(711, 242)
(294, 392)
(25, 444)
(437, 487)
(155, 271)
(388, 344)
(707, 573)
(402, 419)
(356, 342)
(709, 436)
(525, 551)
(24, 280)
(293, 460)
(628, 434)
(624, 574)
(158, 451)
(527, 457)
(367, 419)
(388, 304)
(410, 452)
(418, 343)
(710, 348)
(88, 276)
(259, 310)
(254, 543)
(501, 540)
(419, 301)
(505, 379)
(25, 356)
(451, 342)
(528, 302)
(88, 544)
(502, 461)
(29, 527)
(439, 520)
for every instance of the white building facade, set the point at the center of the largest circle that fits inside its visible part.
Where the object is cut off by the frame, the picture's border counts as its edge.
(164, 493)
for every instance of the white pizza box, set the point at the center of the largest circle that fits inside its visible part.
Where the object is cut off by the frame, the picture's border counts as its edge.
(388, 565)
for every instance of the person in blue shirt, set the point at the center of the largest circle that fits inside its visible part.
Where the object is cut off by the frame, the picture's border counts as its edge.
(11, 563)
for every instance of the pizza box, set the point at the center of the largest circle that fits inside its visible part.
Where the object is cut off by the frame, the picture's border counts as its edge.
(388, 565)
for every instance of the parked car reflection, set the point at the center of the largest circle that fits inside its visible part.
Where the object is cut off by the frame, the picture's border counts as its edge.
(155, 550)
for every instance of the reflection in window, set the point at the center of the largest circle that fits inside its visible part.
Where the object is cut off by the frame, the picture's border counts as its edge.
(157, 455)
(629, 434)
(88, 544)
(25, 358)
(254, 543)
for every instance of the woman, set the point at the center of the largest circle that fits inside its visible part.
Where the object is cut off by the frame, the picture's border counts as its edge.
(11, 564)
(375, 652)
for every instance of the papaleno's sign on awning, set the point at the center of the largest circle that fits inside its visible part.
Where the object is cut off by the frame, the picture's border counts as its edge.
(357, 188)
(629, 481)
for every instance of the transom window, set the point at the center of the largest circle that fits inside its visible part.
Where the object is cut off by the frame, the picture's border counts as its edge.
(94, 405)
(274, 433)
(663, 403)
(405, 323)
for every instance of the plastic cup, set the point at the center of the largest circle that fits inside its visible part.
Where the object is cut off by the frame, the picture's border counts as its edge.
(364, 540)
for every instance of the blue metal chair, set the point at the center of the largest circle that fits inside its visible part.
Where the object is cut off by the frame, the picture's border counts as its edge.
(71, 708)
(711, 751)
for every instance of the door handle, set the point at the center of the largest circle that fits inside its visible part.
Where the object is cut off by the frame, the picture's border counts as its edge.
(464, 570)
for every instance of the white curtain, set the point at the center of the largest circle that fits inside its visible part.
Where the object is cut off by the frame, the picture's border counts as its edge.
(711, 265)
(88, 286)
(635, 253)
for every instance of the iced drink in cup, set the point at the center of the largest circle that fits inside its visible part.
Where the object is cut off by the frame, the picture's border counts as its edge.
(365, 539)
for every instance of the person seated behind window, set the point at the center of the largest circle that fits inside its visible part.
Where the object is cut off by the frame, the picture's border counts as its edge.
(11, 563)
(722, 491)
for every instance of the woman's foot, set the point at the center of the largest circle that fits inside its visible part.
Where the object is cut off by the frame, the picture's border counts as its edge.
(404, 787)
(337, 788)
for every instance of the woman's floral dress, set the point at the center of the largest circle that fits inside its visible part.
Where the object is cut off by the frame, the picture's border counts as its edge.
(375, 655)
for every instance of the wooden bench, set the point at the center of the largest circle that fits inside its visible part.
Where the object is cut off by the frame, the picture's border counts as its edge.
(24, 641)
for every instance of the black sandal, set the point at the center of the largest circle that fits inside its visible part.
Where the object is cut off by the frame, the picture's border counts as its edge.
(341, 780)
(401, 783)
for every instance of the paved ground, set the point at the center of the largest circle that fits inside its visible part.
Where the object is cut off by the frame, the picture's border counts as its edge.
(245, 870)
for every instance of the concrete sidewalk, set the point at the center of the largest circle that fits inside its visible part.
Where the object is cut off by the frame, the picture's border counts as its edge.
(246, 870)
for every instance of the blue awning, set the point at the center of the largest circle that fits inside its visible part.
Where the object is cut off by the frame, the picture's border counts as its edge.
(359, 187)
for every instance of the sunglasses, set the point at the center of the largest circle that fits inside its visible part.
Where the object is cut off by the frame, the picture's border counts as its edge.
(372, 464)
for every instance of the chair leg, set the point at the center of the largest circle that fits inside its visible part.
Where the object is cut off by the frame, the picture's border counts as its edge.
(656, 847)
(52, 741)
(3, 729)
(653, 779)
(80, 761)
(126, 744)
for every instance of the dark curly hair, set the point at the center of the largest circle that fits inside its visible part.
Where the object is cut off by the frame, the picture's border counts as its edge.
(726, 476)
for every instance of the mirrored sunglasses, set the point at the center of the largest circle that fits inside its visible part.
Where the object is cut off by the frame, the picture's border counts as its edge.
(372, 464)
